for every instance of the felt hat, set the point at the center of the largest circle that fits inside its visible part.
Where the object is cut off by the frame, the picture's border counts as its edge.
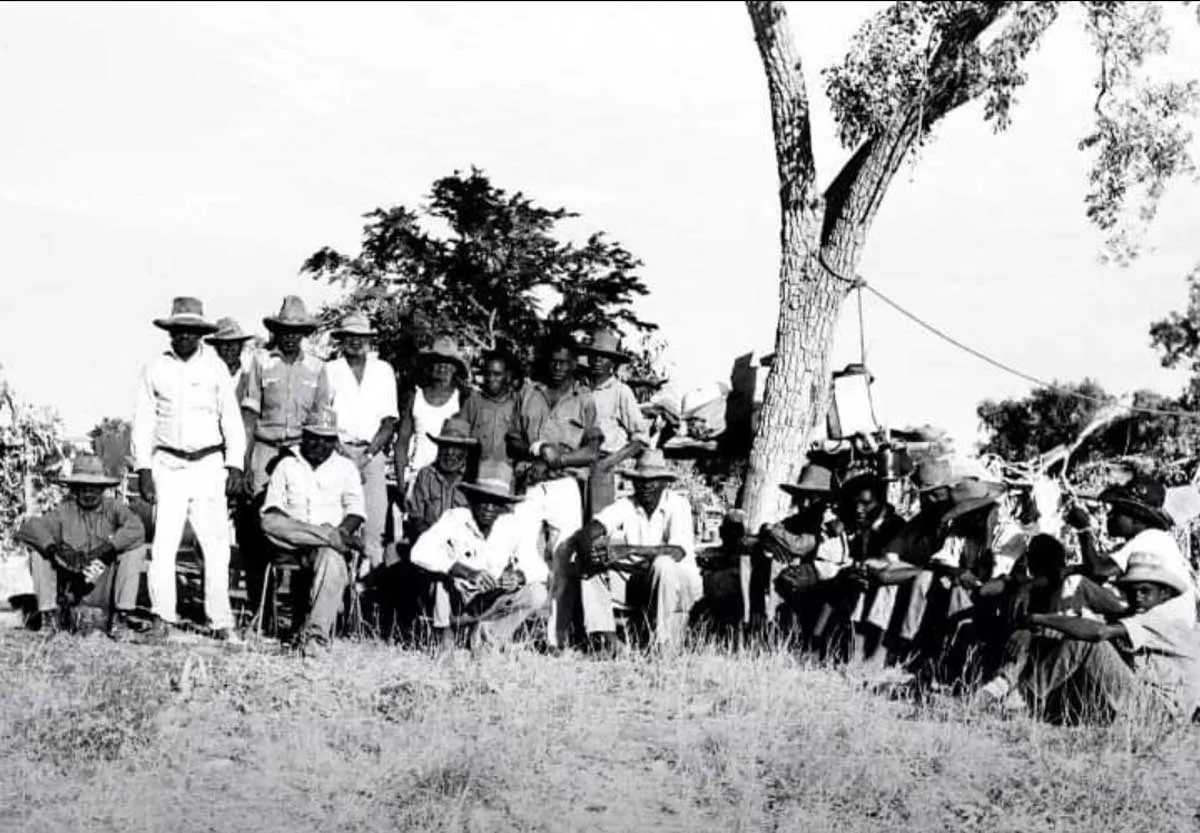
(228, 330)
(494, 483)
(446, 349)
(88, 470)
(814, 480)
(649, 379)
(322, 422)
(970, 495)
(651, 465)
(354, 324)
(1150, 567)
(455, 431)
(293, 315)
(1141, 498)
(860, 475)
(187, 313)
(606, 343)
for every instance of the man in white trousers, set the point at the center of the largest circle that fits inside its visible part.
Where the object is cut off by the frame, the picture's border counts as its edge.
(188, 446)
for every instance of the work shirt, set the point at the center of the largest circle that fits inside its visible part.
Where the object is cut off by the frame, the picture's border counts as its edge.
(112, 522)
(869, 544)
(282, 394)
(670, 524)
(1159, 543)
(489, 420)
(434, 493)
(188, 406)
(563, 424)
(1166, 651)
(325, 495)
(618, 415)
(457, 539)
(360, 406)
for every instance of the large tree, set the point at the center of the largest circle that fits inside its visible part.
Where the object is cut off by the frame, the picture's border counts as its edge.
(485, 266)
(907, 68)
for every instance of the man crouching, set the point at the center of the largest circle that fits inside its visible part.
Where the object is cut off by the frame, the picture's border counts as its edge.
(314, 508)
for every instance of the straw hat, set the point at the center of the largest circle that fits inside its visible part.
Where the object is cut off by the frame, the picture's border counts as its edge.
(455, 431)
(354, 324)
(293, 315)
(187, 313)
(652, 465)
(814, 480)
(1149, 567)
(446, 349)
(606, 343)
(322, 422)
(228, 330)
(494, 483)
(88, 470)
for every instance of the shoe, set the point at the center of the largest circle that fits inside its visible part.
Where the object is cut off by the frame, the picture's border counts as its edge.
(994, 691)
(50, 623)
(229, 636)
(159, 632)
(121, 631)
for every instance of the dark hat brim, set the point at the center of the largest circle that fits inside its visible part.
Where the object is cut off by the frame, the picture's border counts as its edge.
(474, 490)
(794, 489)
(463, 441)
(653, 474)
(273, 323)
(432, 356)
(217, 338)
(193, 326)
(320, 432)
(969, 506)
(1140, 511)
(615, 355)
(88, 480)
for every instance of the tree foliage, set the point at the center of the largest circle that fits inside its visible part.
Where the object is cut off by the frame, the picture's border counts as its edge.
(31, 458)
(112, 442)
(478, 263)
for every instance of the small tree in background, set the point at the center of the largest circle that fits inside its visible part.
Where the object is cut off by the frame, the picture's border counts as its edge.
(112, 441)
(31, 459)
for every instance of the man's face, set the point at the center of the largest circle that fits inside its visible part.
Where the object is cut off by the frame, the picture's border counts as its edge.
(316, 449)
(451, 459)
(230, 352)
(935, 501)
(1143, 595)
(866, 507)
(559, 365)
(442, 373)
(354, 347)
(185, 342)
(495, 377)
(602, 368)
(88, 497)
(486, 512)
(288, 341)
(648, 493)
(1120, 523)
(805, 502)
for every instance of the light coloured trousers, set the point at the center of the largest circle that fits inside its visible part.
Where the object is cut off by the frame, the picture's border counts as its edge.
(117, 587)
(374, 480)
(190, 491)
(330, 574)
(675, 587)
(883, 606)
(559, 506)
(498, 618)
(1098, 683)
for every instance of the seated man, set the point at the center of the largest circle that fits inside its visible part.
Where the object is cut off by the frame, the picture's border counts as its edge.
(652, 532)
(493, 577)
(435, 488)
(1145, 664)
(89, 550)
(314, 508)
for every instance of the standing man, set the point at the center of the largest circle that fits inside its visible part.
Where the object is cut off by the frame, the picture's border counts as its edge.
(188, 447)
(361, 390)
(489, 410)
(618, 415)
(230, 343)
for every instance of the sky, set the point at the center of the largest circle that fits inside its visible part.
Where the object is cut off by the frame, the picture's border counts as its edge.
(154, 150)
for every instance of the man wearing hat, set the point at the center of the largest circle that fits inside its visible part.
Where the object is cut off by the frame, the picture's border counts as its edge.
(625, 432)
(89, 550)
(189, 446)
(314, 507)
(492, 576)
(360, 388)
(649, 534)
(280, 391)
(230, 343)
(1144, 664)
(435, 490)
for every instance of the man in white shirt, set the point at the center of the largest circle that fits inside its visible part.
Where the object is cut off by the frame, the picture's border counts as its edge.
(361, 390)
(314, 506)
(650, 532)
(495, 577)
(188, 442)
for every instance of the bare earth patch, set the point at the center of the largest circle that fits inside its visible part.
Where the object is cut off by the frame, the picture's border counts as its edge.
(105, 737)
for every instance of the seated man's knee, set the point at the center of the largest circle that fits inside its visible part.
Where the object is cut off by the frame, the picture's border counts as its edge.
(537, 594)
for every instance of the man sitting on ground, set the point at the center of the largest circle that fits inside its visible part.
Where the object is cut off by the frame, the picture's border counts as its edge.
(651, 533)
(493, 578)
(89, 550)
(314, 508)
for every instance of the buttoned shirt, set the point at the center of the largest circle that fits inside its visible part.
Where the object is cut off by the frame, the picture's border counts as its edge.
(670, 524)
(537, 422)
(457, 539)
(360, 406)
(283, 394)
(112, 522)
(1166, 650)
(434, 493)
(324, 495)
(618, 415)
(187, 405)
(489, 420)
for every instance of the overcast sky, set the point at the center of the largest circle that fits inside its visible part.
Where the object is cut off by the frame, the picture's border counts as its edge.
(150, 151)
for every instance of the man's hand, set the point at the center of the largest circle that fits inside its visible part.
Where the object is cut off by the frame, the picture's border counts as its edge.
(484, 581)
(1078, 517)
(511, 580)
(93, 571)
(551, 455)
(967, 580)
(106, 553)
(233, 482)
(146, 485)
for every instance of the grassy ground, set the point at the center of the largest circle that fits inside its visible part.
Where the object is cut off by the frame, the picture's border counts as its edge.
(98, 736)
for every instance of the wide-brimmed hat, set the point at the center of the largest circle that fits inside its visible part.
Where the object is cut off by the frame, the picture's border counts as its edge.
(354, 324)
(322, 422)
(606, 343)
(494, 483)
(455, 431)
(293, 315)
(88, 470)
(446, 349)
(813, 480)
(970, 495)
(1150, 567)
(651, 465)
(649, 379)
(228, 330)
(1141, 498)
(187, 313)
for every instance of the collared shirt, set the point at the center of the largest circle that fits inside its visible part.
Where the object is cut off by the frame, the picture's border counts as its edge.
(618, 415)
(324, 495)
(187, 405)
(283, 394)
(457, 539)
(434, 493)
(1166, 651)
(564, 423)
(360, 407)
(670, 524)
(489, 420)
(869, 544)
(1160, 543)
(112, 522)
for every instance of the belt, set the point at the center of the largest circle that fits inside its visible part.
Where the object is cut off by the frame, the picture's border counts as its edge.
(363, 443)
(191, 456)
(278, 443)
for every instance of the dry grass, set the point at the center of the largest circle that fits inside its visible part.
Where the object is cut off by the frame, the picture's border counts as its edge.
(99, 736)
